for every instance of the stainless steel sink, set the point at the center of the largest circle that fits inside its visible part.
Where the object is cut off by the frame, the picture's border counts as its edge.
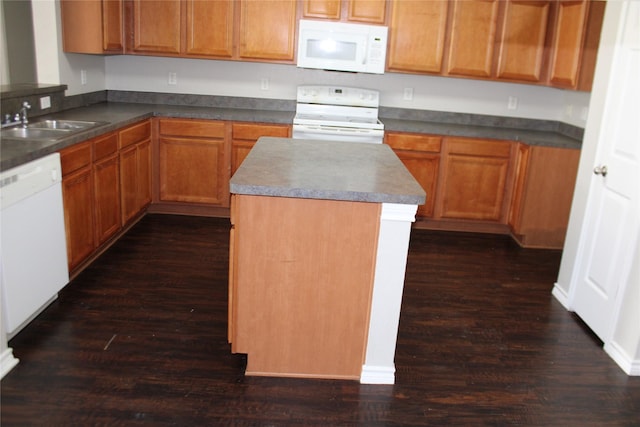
(62, 124)
(49, 130)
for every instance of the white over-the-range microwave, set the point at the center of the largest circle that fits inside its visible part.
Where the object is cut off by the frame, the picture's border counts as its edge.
(342, 47)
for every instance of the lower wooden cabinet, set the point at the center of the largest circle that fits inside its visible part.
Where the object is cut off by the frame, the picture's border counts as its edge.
(91, 195)
(421, 156)
(193, 162)
(106, 187)
(77, 196)
(245, 135)
(475, 180)
(545, 179)
(135, 169)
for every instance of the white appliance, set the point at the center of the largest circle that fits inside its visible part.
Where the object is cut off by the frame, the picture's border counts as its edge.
(342, 47)
(33, 249)
(337, 113)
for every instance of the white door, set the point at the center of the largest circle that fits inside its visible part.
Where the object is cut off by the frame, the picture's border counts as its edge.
(613, 206)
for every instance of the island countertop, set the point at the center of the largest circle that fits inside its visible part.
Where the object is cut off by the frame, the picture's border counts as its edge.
(309, 169)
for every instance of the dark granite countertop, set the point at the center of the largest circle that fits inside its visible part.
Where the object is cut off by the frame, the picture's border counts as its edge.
(527, 136)
(328, 170)
(119, 114)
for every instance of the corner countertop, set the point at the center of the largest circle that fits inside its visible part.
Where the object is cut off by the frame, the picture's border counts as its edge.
(309, 169)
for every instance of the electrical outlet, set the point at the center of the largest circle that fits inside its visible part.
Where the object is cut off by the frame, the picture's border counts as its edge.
(45, 102)
(83, 77)
(568, 110)
(264, 84)
(172, 79)
(512, 103)
(407, 94)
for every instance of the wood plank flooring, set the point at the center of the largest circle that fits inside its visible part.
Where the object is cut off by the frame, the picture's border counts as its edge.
(139, 338)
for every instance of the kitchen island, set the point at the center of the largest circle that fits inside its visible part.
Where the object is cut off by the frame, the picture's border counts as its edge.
(319, 240)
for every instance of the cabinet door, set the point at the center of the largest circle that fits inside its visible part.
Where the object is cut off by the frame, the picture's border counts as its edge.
(370, 11)
(106, 185)
(591, 43)
(267, 29)
(566, 48)
(417, 34)
(209, 28)
(329, 9)
(421, 156)
(542, 196)
(156, 26)
(128, 183)
(92, 26)
(522, 41)
(474, 180)
(192, 170)
(77, 193)
(143, 153)
(472, 38)
(112, 26)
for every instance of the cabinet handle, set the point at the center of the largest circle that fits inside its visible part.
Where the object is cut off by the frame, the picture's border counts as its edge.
(600, 170)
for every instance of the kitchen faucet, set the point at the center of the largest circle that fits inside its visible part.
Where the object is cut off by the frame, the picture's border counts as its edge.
(20, 117)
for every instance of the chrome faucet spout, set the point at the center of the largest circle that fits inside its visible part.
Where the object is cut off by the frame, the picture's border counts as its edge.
(24, 119)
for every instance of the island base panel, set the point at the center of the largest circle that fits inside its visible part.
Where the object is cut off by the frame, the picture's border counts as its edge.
(302, 288)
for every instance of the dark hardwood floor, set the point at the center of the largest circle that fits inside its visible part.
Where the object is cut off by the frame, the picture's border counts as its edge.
(140, 338)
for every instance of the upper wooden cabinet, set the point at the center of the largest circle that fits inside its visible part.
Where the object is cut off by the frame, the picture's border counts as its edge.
(156, 26)
(366, 11)
(267, 29)
(209, 28)
(181, 27)
(522, 41)
(531, 41)
(417, 36)
(574, 45)
(472, 38)
(591, 43)
(92, 26)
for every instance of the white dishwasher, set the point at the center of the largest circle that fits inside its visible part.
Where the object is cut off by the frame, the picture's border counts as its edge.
(33, 249)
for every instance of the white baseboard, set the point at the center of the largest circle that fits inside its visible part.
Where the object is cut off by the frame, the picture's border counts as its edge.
(628, 365)
(378, 375)
(7, 362)
(562, 296)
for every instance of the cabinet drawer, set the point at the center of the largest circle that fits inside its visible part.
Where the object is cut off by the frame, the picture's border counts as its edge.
(75, 157)
(414, 142)
(475, 147)
(105, 146)
(136, 133)
(253, 131)
(193, 128)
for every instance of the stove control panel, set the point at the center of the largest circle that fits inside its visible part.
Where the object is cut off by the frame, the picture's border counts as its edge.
(338, 95)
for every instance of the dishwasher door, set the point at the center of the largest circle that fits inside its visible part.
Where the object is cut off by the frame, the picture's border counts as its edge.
(33, 242)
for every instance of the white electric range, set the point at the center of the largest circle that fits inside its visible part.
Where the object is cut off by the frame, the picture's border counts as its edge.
(337, 113)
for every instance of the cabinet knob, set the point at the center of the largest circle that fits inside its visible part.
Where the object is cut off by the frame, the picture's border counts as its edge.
(600, 170)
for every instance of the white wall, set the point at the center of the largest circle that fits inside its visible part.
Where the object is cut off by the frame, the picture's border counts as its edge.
(211, 77)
